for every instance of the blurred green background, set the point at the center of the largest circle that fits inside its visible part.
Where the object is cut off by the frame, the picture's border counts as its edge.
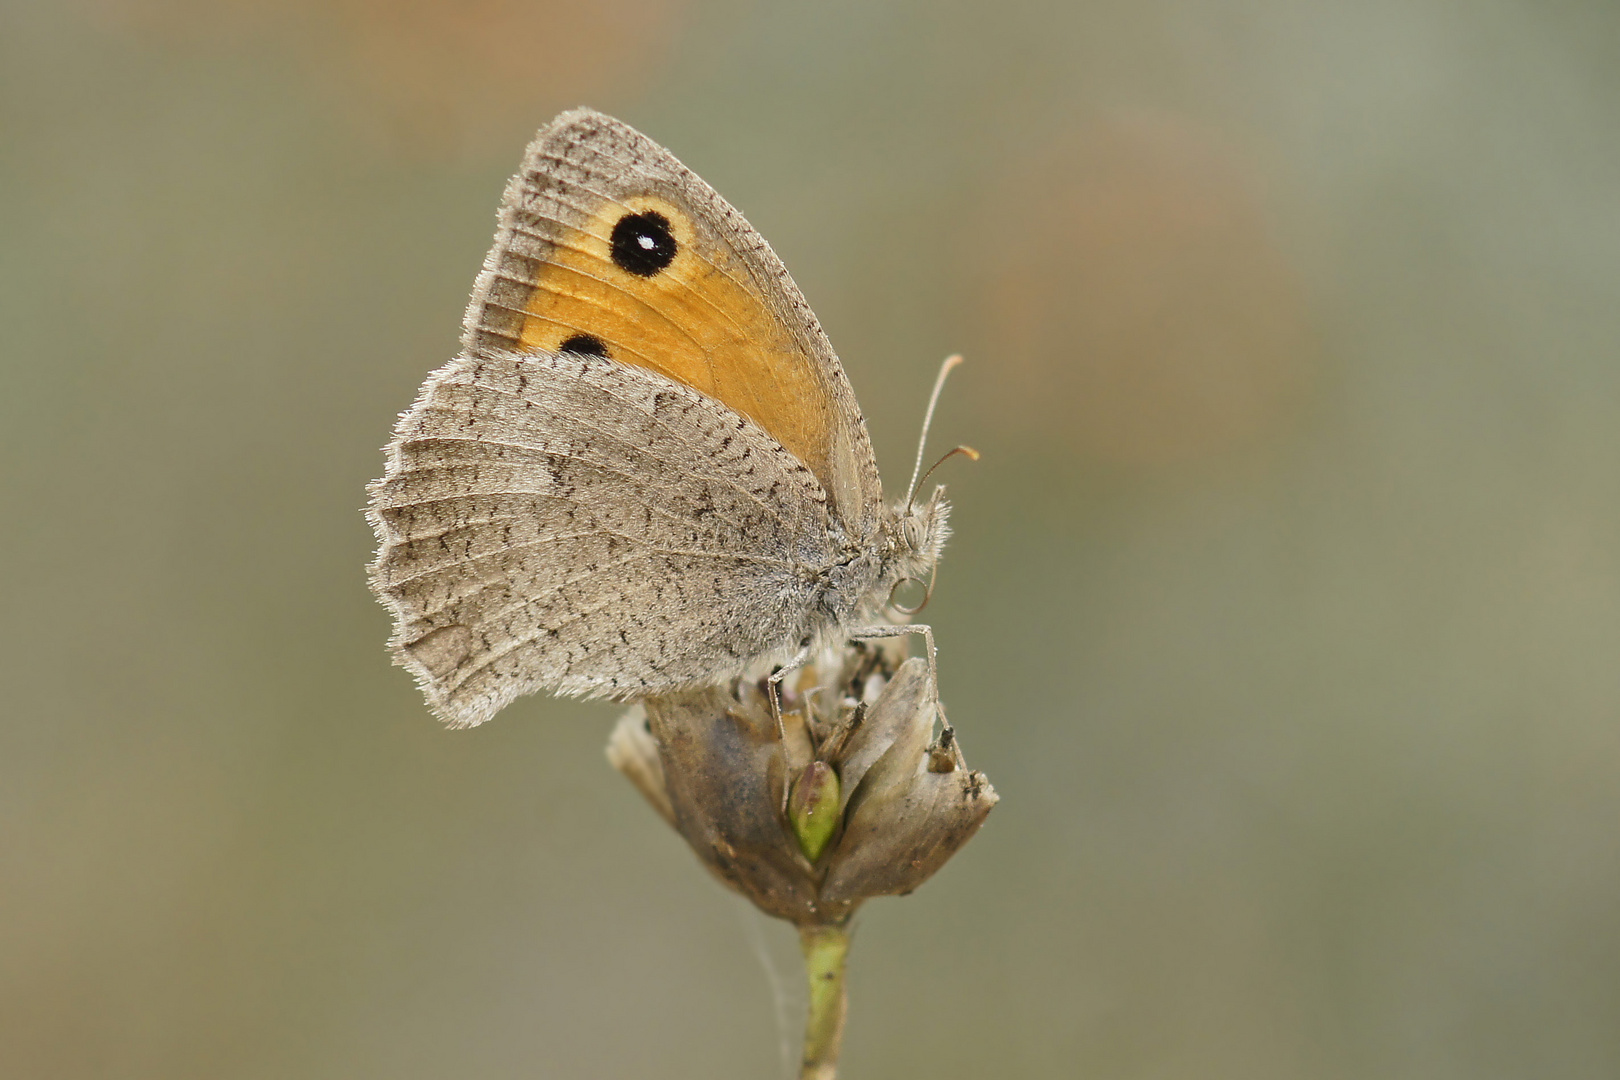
(1283, 610)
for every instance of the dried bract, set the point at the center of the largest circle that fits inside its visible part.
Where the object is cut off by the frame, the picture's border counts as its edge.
(855, 797)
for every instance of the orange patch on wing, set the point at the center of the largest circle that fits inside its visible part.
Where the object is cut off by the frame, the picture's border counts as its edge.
(697, 321)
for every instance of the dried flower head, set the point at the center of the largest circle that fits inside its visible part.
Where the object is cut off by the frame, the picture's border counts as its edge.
(856, 797)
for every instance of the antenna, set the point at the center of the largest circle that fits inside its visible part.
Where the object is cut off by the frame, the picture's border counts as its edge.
(928, 418)
(966, 451)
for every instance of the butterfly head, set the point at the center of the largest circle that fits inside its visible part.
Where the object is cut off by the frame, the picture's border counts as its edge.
(916, 539)
(919, 529)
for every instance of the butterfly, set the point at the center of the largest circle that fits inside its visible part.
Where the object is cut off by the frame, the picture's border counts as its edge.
(646, 471)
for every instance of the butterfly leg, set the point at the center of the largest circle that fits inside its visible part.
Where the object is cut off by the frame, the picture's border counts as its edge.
(774, 687)
(947, 734)
(878, 633)
(774, 696)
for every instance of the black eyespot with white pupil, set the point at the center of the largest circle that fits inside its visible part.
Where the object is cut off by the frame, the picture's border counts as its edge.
(643, 243)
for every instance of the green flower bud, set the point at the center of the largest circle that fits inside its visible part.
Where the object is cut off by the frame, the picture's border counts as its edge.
(813, 808)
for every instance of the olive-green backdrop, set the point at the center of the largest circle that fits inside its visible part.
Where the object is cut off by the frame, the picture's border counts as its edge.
(1283, 610)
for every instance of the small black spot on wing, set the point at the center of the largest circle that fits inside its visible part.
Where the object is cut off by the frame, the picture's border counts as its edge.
(643, 243)
(585, 344)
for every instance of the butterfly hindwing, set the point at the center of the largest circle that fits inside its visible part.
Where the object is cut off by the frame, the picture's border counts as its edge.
(567, 523)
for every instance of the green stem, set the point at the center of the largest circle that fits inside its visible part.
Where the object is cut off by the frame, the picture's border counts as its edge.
(825, 949)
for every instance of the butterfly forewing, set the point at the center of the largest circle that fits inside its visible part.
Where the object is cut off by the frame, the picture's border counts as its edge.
(608, 245)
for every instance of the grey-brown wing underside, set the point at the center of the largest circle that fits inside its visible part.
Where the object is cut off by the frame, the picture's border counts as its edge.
(567, 523)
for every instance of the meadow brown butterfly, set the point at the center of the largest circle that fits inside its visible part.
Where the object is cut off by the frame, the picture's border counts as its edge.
(646, 471)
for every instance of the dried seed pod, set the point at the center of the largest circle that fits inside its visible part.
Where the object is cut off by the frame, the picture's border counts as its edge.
(877, 804)
(908, 815)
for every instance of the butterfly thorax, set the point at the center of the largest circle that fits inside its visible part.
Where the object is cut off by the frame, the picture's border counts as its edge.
(853, 590)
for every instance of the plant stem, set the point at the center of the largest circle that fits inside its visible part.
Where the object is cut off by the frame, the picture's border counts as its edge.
(825, 949)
